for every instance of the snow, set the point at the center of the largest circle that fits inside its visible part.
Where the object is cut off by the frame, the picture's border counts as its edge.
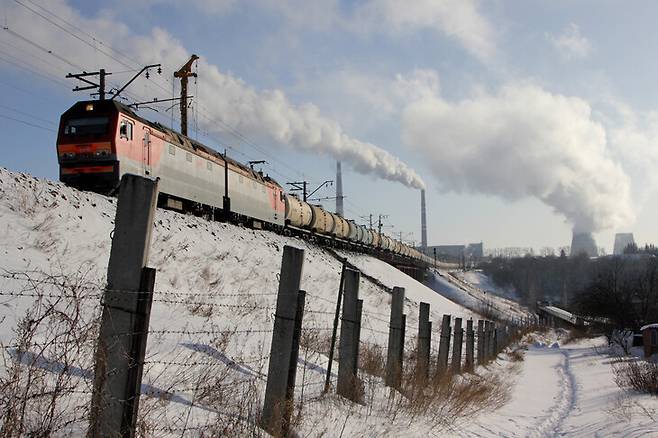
(212, 318)
(568, 391)
(480, 280)
(215, 288)
(455, 286)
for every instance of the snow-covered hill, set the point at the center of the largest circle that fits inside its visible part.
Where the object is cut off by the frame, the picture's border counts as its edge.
(215, 287)
(475, 291)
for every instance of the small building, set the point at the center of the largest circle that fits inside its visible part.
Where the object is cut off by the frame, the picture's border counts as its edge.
(650, 339)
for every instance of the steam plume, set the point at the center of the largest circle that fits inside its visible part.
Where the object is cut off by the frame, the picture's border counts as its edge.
(524, 142)
(261, 114)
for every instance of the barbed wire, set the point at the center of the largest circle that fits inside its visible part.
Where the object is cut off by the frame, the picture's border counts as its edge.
(46, 295)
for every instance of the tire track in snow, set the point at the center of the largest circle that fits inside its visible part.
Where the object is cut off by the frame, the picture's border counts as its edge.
(560, 411)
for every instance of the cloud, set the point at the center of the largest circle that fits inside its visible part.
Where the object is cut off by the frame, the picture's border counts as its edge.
(265, 114)
(524, 141)
(458, 19)
(570, 43)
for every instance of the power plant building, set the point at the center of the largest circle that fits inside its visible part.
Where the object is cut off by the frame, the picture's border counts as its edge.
(456, 252)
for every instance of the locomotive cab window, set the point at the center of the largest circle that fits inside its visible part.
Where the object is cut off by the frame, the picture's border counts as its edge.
(281, 197)
(87, 126)
(126, 130)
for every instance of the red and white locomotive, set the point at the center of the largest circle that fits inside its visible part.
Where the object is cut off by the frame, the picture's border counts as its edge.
(99, 141)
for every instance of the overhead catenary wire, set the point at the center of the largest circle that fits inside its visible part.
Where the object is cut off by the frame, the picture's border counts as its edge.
(52, 18)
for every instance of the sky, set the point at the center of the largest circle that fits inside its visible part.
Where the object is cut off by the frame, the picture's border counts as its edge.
(523, 120)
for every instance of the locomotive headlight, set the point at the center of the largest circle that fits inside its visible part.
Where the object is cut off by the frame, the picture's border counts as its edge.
(102, 153)
(69, 155)
(89, 107)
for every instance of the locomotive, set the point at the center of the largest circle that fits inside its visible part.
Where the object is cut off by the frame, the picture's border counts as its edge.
(99, 141)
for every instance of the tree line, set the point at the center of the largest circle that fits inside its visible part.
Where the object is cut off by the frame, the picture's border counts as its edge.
(620, 291)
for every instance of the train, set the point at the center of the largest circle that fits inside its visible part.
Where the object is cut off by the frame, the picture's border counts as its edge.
(98, 141)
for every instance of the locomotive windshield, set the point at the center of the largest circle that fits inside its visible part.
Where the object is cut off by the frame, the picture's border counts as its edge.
(86, 126)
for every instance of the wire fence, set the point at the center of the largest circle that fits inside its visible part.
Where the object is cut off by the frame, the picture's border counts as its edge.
(206, 371)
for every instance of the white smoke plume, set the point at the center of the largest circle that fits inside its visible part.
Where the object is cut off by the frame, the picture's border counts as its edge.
(524, 142)
(261, 114)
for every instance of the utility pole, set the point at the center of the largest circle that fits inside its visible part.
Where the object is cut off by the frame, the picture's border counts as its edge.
(369, 218)
(380, 223)
(183, 73)
(91, 85)
(144, 69)
(303, 187)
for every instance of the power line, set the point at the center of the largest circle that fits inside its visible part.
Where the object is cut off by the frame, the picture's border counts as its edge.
(29, 68)
(233, 131)
(34, 125)
(92, 37)
(69, 32)
(42, 48)
(28, 114)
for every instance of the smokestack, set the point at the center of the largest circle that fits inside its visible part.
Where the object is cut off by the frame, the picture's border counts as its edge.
(339, 190)
(423, 221)
(583, 243)
(622, 240)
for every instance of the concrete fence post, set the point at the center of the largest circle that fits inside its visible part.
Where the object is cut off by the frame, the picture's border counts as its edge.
(294, 356)
(348, 335)
(485, 342)
(402, 338)
(496, 342)
(470, 346)
(127, 299)
(481, 358)
(357, 335)
(457, 346)
(490, 342)
(274, 405)
(444, 345)
(393, 376)
(424, 341)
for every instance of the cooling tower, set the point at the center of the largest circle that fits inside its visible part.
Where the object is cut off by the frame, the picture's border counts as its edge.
(622, 240)
(423, 221)
(584, 243)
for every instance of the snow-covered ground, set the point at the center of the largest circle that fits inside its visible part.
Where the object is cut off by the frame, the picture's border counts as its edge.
(474, 290)
(482, 281)
(211, 325)
(568, 390)
(214, 296)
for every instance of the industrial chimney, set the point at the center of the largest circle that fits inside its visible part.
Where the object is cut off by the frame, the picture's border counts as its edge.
(583, 243)
(339, 191)
(423, 221)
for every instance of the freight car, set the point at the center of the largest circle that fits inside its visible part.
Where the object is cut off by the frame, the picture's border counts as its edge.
(99, 141)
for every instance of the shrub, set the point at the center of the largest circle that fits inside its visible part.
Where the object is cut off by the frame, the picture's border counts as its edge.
(638, 375)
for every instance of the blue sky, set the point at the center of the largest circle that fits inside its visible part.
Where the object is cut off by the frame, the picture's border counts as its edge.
(523, 119)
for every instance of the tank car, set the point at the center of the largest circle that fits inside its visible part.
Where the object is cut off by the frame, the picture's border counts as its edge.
(322, 221)
(298, 213)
